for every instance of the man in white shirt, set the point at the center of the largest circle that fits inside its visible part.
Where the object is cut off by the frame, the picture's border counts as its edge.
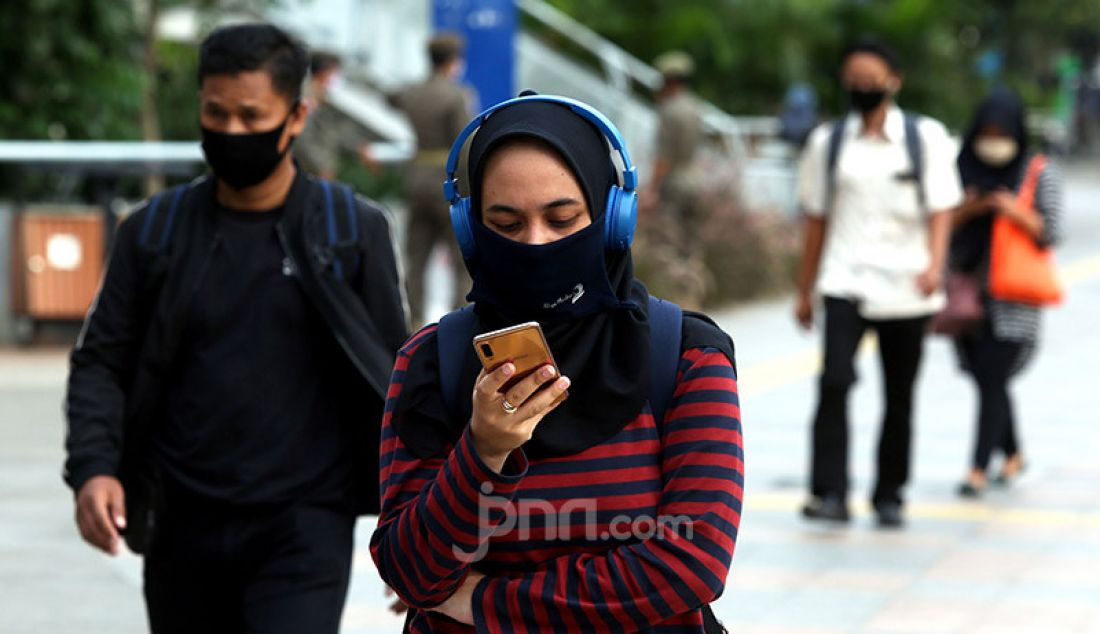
(876, 188)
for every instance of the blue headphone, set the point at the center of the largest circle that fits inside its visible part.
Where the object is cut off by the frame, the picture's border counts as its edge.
(621, 212)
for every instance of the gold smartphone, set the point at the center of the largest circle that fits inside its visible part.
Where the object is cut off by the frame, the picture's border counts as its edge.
(523, 344)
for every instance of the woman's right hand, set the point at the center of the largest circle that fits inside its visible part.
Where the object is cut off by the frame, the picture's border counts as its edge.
(974, 204)
(804, 311)
(496, 432)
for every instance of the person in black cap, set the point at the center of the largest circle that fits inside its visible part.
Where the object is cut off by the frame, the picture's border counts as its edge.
(544, 505)
(226, 392)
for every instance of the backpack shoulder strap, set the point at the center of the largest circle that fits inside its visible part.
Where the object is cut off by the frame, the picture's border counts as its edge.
(666, 325)
(832, 157)
(665, 336)
(156, 230)
(453, 336)
(914, 146)
(342, 230)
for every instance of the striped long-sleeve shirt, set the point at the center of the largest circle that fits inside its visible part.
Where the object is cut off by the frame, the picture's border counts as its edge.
(633, 534)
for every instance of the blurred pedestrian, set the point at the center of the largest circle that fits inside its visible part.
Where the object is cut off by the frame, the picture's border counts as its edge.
(328, 134)
(799, 117)
(638, 425)
(672, 214)
(876, 186)
(319, 144)
(1001, 180)
(226, 392)
(437, 109)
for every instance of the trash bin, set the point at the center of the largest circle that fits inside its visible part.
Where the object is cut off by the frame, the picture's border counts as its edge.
(59, 261)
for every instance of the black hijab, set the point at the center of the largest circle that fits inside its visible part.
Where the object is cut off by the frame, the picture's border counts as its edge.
(601, 343)
(1004, 109)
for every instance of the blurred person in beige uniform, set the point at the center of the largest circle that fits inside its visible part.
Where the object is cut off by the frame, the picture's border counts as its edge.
(328, 134)
(671, 201)
(437, 108)
(877, 188)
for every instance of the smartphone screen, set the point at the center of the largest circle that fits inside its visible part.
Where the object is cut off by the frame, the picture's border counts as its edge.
(523, 345)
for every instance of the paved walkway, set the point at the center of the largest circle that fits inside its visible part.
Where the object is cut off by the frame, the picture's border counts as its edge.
(1021, 560)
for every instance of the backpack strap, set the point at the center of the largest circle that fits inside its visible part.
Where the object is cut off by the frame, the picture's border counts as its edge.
(915, 148)
(665, 332)
(456, 330)
(342, 230)
(832, 156)
(158, 224)
(666, 325)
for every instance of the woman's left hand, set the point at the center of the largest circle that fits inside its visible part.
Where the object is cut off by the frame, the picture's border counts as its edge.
(460, 606)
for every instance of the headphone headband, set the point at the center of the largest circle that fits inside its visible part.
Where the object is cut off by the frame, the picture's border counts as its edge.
(590, 114)
(620, 211)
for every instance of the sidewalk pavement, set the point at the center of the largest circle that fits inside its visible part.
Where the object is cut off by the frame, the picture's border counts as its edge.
(1026, 559)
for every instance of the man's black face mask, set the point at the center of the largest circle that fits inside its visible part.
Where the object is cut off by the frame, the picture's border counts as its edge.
(244, 160)
(866, 100)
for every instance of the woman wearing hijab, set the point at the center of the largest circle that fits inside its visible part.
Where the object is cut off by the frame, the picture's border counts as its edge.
(546, 506)
(993, 164)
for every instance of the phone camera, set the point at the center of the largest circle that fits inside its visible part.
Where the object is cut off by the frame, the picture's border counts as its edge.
(487, 350)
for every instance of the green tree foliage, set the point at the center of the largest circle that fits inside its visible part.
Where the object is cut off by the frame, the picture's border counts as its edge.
(177, 90)
(71, 69)
(749, 51)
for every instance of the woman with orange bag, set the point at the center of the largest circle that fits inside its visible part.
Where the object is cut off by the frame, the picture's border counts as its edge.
(1004, 185)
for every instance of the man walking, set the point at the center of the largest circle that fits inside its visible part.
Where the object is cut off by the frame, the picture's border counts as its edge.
(226, 392)
(876, 187)
(673, 191)
(319, 146)
(328, 135)
(437, 108)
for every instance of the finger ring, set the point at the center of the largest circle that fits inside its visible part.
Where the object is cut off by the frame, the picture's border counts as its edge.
(508, 407)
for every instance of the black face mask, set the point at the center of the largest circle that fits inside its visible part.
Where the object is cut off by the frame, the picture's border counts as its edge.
(559, 281)
(866, 100)
(244, 160)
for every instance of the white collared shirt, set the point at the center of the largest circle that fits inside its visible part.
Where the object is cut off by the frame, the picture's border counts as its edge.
(876, 240)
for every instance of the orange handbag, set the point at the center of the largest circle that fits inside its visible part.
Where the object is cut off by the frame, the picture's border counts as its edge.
(1019, 269)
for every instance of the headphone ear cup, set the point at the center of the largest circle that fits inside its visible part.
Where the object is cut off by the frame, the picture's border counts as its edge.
(620, 218)
(460, 222)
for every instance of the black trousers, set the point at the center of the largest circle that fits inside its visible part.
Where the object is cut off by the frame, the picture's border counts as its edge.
(991, 362)
(280, 569)
(900, 348)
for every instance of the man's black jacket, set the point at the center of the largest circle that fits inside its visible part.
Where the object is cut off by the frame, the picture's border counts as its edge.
(132, 331)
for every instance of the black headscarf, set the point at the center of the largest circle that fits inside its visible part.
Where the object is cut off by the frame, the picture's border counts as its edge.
(601, 343)
(1004, 109)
